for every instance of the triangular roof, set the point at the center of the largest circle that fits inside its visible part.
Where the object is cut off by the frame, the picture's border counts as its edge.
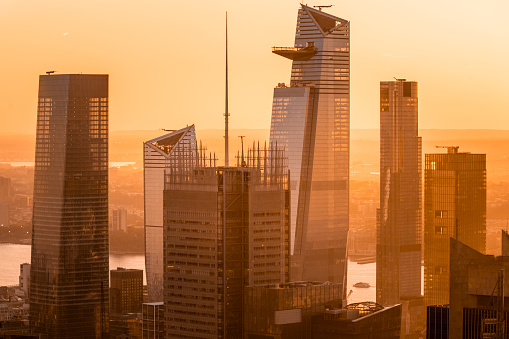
(324, 21)
(166, 143)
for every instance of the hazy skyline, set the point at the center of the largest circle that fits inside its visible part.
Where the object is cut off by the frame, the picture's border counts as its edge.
(166, 59)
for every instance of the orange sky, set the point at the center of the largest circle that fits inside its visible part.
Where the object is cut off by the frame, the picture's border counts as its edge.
(166, 58)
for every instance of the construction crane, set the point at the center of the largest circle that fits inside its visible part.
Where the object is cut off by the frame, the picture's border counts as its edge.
(168, 130)
(450, 149)
(243, 163)
(323, 6)
(50, 72)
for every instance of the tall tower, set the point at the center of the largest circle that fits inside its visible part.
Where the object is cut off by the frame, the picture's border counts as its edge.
(159, 154)
(454, 207)
(399, 244)
(225, 228)
(70, 256)
(311, 120)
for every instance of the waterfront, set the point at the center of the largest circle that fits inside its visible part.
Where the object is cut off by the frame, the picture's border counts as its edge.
(12, 255)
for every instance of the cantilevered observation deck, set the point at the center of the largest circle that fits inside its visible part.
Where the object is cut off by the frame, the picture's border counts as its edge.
(296, 53)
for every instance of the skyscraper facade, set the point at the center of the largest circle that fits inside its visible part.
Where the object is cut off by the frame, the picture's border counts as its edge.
(454, 207)
(399, 239)
(70, 255)
(159, 154)
(225, 228)
(311, 120)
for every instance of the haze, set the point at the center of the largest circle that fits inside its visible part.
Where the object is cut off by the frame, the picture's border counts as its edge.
(166, 58)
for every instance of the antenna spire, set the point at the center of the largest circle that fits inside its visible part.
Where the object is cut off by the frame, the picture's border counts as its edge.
(226, 113)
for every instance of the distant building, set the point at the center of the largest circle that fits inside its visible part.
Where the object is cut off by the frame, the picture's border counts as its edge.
(153, 320)
(311, 121)
(365, 320)
(4, 215)
(5, 190)
(454, 206)
(24, 279)
(126, 290)
(119, 219)
(225, 228)
(284, 311)
(70, 254)
(159, 154)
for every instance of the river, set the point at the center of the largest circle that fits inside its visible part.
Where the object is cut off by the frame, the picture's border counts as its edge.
(12, 255)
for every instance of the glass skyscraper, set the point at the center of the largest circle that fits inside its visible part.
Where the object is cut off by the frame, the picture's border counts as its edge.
(160, 154)
(311, 120)
(70, 258)
(454, 207)
(225, 228)
(399, 239)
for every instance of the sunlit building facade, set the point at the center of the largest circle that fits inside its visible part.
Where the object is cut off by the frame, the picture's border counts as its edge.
(454, 207)
(225, 228)
(70, 256)
(311, 120)
(399, 239)
(160, 154)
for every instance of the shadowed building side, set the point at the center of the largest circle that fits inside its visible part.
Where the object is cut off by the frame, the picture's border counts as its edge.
(70, 257)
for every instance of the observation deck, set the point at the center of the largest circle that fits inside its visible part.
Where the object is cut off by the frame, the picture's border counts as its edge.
(296, 53)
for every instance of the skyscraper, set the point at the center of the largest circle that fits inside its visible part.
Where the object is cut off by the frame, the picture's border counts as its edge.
(69, 273)
(454, 207)
(399, 240)
(160, 154)
(225, 228)
(311, 120)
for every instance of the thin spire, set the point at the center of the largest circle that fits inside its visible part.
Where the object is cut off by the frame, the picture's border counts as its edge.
(226, 113)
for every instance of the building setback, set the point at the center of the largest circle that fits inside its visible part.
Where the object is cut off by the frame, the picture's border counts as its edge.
(311, 120)
(69, 268)
(454, 207)
(159, 154)
(224, 228)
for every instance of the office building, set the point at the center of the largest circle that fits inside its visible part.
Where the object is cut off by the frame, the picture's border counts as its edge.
(399, 219)
(5, 189)
(159, 154)
(398, 257)
(119, 219)
(69, 267)
(126, 290)
(153, 320)
(225, 228)
(24, 279)
(284, 311)
(5, 220)
(311, 121)
(454, 206)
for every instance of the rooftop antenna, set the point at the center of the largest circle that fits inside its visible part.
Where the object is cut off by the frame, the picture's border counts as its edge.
(226, 113)
(243, 163)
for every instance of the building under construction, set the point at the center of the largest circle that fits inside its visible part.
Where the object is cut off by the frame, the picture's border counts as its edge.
(224, 228)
